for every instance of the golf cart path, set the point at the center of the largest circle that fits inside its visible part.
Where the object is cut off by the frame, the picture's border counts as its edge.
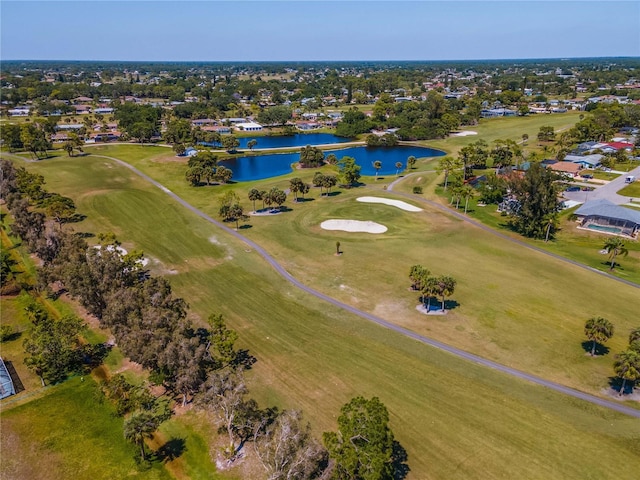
(490, 230)
(619, 407)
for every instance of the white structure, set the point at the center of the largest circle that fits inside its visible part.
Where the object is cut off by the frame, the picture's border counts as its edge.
(249, 126)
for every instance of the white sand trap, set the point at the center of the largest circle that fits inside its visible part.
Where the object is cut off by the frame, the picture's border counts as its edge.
(387, 201)
(464, 133)
(353, 226)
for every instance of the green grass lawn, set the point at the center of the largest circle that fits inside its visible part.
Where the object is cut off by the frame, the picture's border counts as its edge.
(631, 190)
(455, 419)
(601, 175)
(508, 128)
(68, 433)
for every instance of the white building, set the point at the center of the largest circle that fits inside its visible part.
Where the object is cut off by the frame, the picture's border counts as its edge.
(249, 126)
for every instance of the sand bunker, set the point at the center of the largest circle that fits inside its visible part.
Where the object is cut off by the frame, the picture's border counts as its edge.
(388, 201)
(353, 226)
(464, 133)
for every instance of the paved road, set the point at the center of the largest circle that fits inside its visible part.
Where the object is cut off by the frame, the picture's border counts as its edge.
(608, 191)
(403, 331)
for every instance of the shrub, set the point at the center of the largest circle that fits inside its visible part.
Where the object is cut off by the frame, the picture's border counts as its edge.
(417, 190)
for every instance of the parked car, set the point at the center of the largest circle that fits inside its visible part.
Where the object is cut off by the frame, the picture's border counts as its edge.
(587, 176)
(572, 189)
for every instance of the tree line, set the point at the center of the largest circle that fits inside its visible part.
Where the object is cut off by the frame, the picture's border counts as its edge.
(194, 363)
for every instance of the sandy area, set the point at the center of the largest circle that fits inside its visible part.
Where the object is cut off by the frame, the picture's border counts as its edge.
(387, 201)
(464, 133)
(353, 226)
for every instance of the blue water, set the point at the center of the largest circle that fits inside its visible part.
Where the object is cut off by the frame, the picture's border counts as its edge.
(298, 140)
(272, 165)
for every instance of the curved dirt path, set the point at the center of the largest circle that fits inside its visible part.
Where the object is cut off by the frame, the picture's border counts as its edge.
(367, 316)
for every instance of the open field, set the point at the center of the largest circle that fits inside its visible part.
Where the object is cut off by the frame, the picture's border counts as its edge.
(507, 295)
(508, 128)
(67, 433)
(455, 419)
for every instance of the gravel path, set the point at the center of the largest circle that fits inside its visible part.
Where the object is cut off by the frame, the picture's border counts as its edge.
(619, 407)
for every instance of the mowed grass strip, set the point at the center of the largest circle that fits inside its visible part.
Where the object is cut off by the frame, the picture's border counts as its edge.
(455, 419)
(516, 306)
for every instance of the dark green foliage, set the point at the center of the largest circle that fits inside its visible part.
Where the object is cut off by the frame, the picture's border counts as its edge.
(52, 346)
(537, 195)
(349, 170)
(363, 446)
(353, 123)
(598, 330)
(417, 190)
(311, 157)
(493, 190)
(278, 115)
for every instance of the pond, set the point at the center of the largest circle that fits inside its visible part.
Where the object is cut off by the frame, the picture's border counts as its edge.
(297, 140)
(272, 165)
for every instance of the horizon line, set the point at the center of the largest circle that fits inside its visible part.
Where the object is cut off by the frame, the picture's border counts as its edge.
(328, 60)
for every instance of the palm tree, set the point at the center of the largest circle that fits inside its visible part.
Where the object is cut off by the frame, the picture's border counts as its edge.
(252, 143)
(411, 161)
(398, 167)
(139, 426)
(525, 137)
(598, 330)
(467, 192)
(446, 165)
(377, 165)
(614, 247)
(254, 194)
(627, 367)
(446, 287)
(430, 288)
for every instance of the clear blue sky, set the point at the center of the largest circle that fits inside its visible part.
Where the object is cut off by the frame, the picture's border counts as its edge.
(317, 30)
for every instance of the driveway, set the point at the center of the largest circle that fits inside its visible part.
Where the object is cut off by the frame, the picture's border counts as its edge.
(607, 191)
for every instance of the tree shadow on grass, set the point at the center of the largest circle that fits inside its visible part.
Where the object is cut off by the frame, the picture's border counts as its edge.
(246, 226)
(332, 194)
(171, 450)
(244, 359)
(587, 345)
(451, 304)
(304, 200)
(616, 384)
(400, 466)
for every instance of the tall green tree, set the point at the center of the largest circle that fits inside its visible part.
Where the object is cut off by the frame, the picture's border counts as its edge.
(362, 448)
(411, 161)
(537, 195)
(52, 346)
(446, 165)
(140, 426)
(615, 247)
(598, 330)
(349, 170)
(230, 143)
(627, 367)
(255, 194)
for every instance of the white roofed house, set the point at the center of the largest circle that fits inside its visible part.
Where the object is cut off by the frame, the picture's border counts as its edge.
(249, 126)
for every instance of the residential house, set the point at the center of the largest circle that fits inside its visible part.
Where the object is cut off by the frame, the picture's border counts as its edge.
(566, 169)
(585, 161)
